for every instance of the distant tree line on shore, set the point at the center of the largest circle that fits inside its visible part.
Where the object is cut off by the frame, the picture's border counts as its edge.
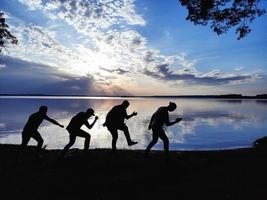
(234, 96)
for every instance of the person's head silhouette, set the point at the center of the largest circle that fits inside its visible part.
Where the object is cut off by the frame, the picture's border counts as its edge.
(171, 107)
(125, 104)
(43, 109)
(90, 112)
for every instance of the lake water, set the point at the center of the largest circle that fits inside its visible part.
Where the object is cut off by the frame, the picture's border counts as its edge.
(206, 124)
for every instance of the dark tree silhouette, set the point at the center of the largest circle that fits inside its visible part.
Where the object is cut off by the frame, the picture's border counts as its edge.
(5, 35)
(223, 14)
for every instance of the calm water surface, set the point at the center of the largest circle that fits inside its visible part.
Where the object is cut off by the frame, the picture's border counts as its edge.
(207, 123)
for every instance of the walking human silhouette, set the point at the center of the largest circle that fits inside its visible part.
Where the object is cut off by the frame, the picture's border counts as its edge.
(30, 130)
(115, 121)
(74, 129)
(158, 119)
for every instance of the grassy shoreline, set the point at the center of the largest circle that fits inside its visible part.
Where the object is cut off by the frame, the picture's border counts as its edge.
(99, 174)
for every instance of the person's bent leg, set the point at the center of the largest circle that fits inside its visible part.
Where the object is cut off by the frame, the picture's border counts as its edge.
(114, 133)
(165, 140)
(87, 137)
(72, 138)
(87, 142)
(25, 140)
(154, 140)
(39, 140)
(125, 130)
(114, 140)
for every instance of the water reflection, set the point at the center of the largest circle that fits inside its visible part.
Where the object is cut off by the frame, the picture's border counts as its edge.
(235, 101)
(207, 123)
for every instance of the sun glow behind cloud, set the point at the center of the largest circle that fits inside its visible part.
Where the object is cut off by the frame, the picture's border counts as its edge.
(101, 44)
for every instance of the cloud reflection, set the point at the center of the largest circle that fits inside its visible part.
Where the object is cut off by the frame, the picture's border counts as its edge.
(206, 123)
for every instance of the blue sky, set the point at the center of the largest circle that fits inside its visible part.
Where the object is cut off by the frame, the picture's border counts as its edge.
(118, 47)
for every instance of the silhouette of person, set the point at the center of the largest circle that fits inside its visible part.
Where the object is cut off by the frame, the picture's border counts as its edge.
(158, 119)
(115, 121)
(74, 129)
(30, 130)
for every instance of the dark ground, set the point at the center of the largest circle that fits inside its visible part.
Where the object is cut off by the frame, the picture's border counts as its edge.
(99, 174)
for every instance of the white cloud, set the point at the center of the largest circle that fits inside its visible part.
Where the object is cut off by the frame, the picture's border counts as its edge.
(32, 4)
(102, 45)
(105, 38)
(90, 14)
(2, 66)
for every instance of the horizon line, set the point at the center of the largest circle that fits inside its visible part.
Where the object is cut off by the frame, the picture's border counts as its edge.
(139, 96)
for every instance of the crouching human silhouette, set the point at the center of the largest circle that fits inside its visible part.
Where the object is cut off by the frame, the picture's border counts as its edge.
(74, 129)
(30, 129)
(115, 121)
(158, 119)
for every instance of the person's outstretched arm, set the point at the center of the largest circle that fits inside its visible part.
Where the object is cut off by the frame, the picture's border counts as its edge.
(53, 121)
(91, 125)
(131, 115)
(168, 123)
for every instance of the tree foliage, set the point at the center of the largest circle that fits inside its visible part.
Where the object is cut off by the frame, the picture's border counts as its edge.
(5, 35)
(223, 14)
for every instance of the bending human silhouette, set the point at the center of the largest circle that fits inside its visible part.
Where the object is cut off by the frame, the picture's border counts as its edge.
(115, 121)
(74, 129)
(158, 119)
(30, 130)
